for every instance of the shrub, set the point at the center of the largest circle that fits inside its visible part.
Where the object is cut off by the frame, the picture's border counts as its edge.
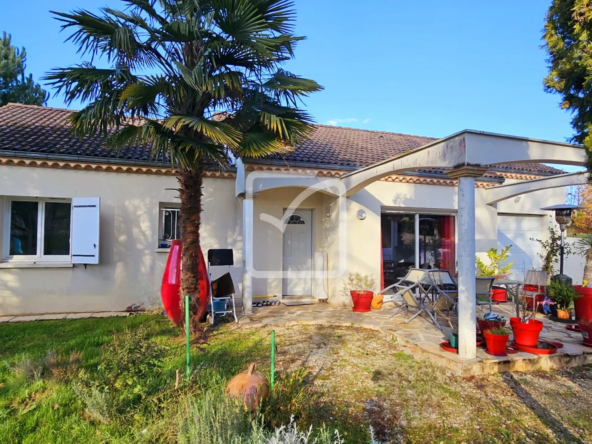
(495, 268)
(562, 295)
(501, 331)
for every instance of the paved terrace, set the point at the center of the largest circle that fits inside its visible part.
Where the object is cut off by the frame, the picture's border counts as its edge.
(423, 339)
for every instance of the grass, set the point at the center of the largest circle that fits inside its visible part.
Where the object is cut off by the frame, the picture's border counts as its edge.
(115, 380)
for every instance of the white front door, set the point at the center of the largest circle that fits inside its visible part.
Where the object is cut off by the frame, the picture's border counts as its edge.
(298, 254)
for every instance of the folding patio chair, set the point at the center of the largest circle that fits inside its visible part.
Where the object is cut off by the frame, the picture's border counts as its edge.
(444, 289)
(223, 287)
(534, 289)
(411, 288)
(483, 286)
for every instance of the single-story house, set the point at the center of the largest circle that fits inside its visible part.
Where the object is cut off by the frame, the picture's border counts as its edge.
(84, 228)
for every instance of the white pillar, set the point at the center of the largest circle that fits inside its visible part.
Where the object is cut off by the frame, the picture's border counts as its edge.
(467, 303)
(247, 253)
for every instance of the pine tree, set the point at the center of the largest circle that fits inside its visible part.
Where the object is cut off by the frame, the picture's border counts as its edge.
(15, 86)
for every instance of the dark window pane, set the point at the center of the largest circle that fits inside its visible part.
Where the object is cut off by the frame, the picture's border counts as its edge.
(57, 229)
(23, 228)
(171, 227)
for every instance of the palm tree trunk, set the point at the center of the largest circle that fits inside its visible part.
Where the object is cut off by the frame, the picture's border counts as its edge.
(588, 266)
(190, 181)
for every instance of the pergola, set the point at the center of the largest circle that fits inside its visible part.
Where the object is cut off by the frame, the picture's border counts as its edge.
(469, 154)
(466, 155)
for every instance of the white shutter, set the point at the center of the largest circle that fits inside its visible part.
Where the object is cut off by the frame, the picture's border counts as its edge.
(85, 230)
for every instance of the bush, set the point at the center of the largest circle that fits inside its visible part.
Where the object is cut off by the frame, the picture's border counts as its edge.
(562, 295)
(130, 370)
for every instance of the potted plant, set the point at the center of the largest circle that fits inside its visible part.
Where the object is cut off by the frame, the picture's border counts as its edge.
(361, 289)
(489, 321)
(563, 296)
(496, 340)
(497, 270)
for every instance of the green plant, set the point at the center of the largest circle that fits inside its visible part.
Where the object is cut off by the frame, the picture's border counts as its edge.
(551, 249)
(358, 282)
(495, 267)
(501, 331)
(128, 374)
(562, 295)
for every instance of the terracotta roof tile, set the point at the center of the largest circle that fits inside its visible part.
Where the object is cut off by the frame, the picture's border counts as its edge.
(46, 131)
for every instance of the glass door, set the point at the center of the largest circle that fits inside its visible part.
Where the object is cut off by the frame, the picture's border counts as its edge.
(436, 242)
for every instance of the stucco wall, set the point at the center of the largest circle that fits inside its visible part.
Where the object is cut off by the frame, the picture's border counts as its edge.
(130, 269)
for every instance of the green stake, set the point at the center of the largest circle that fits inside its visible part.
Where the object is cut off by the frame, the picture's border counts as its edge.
(272, 358)
(187, 327)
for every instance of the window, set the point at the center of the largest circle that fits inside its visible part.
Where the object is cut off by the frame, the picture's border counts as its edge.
(296, 219)
(38, 229)
(169, 225)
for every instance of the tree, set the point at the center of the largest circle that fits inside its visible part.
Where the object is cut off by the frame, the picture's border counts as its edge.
(584, 247)
(196, 80)
(15, 86)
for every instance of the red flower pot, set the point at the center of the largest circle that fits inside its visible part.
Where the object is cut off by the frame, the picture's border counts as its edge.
(586, 330)
(499, 294)
(526, 333)
(496, 344)
(362, 300)
(489, 325)
(583, 304)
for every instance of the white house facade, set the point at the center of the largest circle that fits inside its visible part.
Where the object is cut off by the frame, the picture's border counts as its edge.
(83, 229)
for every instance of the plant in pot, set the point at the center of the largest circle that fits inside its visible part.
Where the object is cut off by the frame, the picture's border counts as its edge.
(563, 296)
(496, 340)
(361, 289)
(496, 269)
(489, 321)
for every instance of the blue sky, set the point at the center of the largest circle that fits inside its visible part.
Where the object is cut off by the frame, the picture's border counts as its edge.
(428, 68)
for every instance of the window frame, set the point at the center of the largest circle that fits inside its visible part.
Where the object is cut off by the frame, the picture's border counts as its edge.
(162, 208)
(39, 257)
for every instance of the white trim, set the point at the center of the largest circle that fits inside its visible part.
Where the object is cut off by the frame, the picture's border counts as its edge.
(40, 264)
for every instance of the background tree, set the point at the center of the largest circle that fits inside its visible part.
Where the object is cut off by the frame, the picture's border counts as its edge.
(196, 80)
(15, 86)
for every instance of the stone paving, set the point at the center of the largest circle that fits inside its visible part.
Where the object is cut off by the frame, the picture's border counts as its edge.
(423, 339)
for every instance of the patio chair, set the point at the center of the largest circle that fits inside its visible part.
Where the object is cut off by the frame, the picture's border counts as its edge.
(483, 286)
(534, 289)
(411, 288)
(444, 289)
(223, 287)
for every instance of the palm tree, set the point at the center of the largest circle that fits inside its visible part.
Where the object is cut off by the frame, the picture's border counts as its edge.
(584, 247)
(195, 80)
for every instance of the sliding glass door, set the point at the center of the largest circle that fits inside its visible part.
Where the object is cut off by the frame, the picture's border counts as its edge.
(416, 240)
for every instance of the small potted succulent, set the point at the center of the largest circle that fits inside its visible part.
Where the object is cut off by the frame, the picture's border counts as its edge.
(361, 289)
(563, 297)
(496, 340)
(497, 270)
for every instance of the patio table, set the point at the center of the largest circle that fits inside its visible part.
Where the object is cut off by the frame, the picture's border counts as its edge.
(512, 287)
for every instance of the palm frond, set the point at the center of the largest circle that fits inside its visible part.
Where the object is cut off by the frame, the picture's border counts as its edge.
(218, 132)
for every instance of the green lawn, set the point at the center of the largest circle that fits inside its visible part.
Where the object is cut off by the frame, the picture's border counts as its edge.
(115, 380)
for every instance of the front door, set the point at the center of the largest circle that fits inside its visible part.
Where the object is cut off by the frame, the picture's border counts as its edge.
(298, 254)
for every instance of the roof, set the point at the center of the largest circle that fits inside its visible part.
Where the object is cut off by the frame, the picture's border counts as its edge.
(29, 130)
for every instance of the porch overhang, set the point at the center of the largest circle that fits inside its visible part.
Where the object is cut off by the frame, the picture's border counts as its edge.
(503, 192)
(468, 148)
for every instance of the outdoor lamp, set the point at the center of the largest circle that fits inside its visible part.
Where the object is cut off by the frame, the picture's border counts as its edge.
(563, 218)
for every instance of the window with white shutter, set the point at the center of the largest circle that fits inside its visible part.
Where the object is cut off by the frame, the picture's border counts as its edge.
(85, 230)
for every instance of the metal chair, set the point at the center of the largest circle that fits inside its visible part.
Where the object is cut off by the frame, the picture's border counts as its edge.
(533, 289)
(222, 289)
(445, 292)
(483, 286)
(410, 288)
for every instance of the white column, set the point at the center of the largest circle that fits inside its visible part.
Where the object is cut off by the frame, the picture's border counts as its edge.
(467, 308)
(467, 303)
(417, 254)
(247, 253)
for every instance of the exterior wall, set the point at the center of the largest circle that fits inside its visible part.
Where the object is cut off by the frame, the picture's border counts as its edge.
(130, 268)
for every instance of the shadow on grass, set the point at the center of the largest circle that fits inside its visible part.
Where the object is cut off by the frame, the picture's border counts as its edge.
(539, 410)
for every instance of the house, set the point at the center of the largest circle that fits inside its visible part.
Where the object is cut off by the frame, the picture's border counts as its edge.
(86, 229)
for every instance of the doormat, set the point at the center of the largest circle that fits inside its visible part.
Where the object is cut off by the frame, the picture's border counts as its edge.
(295, 303)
